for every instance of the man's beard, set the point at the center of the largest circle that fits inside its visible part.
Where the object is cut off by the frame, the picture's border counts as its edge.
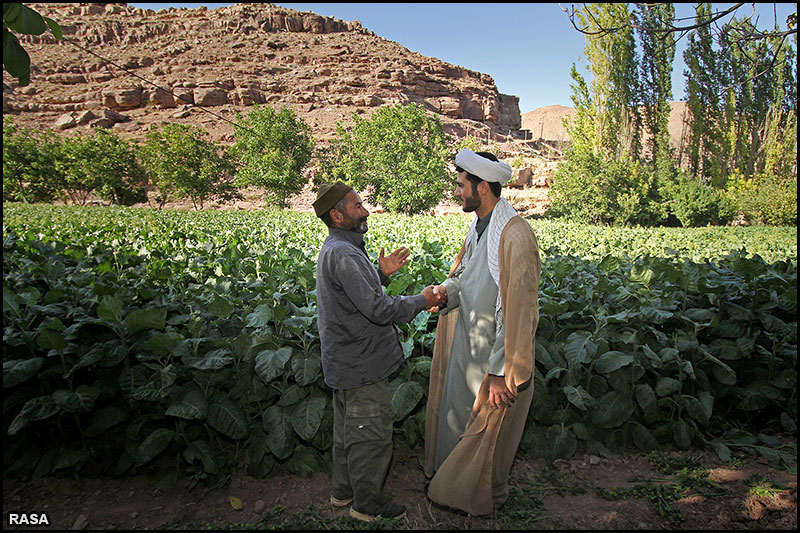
(356, 224)
(471, 203)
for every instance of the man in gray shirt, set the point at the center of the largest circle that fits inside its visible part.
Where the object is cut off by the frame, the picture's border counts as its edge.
(360, 350)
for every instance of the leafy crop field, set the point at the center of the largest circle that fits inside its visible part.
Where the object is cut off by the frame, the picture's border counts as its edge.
(131, 334)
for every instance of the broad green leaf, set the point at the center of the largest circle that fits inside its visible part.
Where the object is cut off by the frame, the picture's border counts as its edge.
(192, 406)
(79, 401)
(701, 317)
(110, 309)
(50, 339)
(213, 360)
(655, 315)
(141, 319)
(307, 416)
(105, 419)
(200, 449)
(613, 410)
(220, 307)
(162, 343)
(132, 378)
(292, 394)
(260, 317)
(158, 386)
(562, 441)
(722, 451)
(405, 398)
(71, 459)
(613, 360)
(54, 27)
(651, 357)
(579, 347)
(647, 400)
(20, 370)
(26, 21)
(155, 443)
(667, 386)
(280, 435)
(578, 397)
(682, 434)
(643, 438)
(554, 373)
(641, 274)
(227, 417)
(34, 409)
(724, 374)
(303, 462)
(306, 370)
(10, 302)
(269, 364)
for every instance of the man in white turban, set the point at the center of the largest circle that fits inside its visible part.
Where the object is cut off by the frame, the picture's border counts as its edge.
(481, 383)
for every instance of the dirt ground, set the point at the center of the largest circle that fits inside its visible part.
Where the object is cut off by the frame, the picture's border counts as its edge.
(566, 495)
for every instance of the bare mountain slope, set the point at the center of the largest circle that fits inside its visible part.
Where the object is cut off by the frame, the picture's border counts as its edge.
(133, 69)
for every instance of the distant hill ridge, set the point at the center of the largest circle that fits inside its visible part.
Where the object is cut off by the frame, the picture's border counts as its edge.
(546, 123)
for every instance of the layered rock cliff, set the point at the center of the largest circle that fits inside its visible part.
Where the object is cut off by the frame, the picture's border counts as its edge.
(133, 69)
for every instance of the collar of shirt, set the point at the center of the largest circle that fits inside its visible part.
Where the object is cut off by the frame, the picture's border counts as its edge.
(353, 237)
(483, 223)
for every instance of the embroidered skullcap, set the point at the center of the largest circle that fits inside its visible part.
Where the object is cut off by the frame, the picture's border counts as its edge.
(484, 168)
(327, 196)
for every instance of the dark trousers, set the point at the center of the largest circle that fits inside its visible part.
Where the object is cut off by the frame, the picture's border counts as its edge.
(362, 445)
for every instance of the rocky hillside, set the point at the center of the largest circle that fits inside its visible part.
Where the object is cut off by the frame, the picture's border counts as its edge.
(134, 69)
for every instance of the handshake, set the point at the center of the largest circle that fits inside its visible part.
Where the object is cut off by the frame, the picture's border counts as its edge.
(435, 297)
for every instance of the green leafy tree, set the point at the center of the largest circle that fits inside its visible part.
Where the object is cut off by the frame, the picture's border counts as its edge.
(271, 151)
(398, 156)
(102, 164)
(703, 89)
(22, 19)
(658, 53)
(182, 163)
(29, 158)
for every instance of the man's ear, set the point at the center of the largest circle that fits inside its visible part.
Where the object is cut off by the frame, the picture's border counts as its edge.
(483, 188)
(336, 216)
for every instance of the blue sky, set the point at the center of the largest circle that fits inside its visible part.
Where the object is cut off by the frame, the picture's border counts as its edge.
(527, 48)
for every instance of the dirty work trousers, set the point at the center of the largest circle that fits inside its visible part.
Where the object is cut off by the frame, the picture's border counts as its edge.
(362, 445)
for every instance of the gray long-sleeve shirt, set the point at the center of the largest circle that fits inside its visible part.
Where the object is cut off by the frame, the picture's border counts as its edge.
(359, 342)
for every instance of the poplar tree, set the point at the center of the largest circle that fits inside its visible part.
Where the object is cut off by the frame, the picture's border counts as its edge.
(658, 53)
(703, 89)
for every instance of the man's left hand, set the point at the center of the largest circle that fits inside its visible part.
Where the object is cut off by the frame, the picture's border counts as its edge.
(499, 395)
(393, 262)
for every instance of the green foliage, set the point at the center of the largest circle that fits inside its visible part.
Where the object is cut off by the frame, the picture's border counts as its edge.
(29, 158)
(271, 150)
(695, 204)
(596, 190)
(132, 334)
(103, 164)
(22, 19)
(182, 163)
(399, 156)
(765, 199)
(742, 101)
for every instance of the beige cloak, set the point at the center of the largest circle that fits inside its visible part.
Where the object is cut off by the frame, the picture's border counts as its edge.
(474, 477)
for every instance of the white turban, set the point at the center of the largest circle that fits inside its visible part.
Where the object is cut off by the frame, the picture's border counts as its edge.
(484, 168)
